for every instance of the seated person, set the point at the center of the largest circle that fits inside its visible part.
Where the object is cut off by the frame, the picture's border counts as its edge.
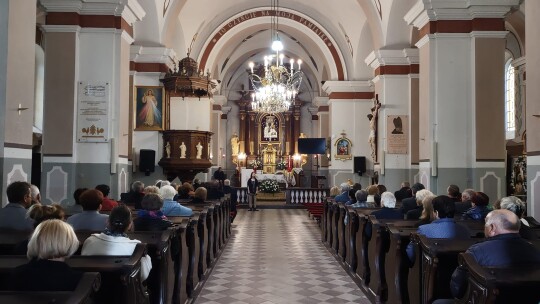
(352, 197)
(415, 213)
(503, 247)
(171, 207)
(453, 193)
(52, 242)
(13, 215)
(150, 218)
(107, 204)
(227, 188)
(444, 226)
(388, 202)
(90, 219)
(213, 190)
(39, 213)
(388, 211)
(186, 191)
(134, 196)
(465, 204)
(200, 196)
(404, 192)
(361, 200)
(196, 183)
(344, 196)
(518, 207)
(334, 191)
(410, 203)
(372, 192)
(428, 214)
(76, 207)
(479, 208)
(114, 240)
(151, 189)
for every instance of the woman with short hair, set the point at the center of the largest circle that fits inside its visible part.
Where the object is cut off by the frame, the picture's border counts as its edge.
(52, 242)
(479, 210)
(114, 240)
(150, 218)
(200, 196)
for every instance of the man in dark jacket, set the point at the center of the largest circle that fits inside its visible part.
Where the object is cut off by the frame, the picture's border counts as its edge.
(404, 192)
(410, 203)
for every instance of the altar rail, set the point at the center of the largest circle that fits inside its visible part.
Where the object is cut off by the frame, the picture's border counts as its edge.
(241, 195)
(306, 195)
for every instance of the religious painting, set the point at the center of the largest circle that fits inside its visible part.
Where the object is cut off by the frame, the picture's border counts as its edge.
(343, 148)
(397, 134)
(270, 128)
(149, 108)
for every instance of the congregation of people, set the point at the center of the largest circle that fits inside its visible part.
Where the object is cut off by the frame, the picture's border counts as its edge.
(509, 235)
(52, 228)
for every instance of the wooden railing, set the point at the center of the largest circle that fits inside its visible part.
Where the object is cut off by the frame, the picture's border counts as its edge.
(306, 195)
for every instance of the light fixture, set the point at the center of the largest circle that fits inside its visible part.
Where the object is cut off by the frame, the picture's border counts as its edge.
(277, 85)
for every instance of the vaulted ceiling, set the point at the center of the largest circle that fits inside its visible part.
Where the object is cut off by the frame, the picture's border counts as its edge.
(332, 37)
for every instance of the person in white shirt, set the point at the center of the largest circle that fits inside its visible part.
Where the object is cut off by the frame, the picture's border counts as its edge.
(114, 241)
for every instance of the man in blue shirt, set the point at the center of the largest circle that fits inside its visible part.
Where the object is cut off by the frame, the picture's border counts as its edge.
(344, 196)
(13, 215)
(90, 219)
(171, 207)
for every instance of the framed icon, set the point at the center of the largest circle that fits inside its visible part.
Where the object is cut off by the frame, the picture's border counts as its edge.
(148, 108)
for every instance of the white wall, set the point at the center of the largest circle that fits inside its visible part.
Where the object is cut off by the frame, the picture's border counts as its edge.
(190, 113)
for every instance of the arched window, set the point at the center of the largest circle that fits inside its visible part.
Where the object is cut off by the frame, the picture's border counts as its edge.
(510, 107)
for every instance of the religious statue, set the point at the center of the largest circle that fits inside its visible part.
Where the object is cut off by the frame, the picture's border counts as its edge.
(168, 150)
(182, 150)
(199, 150)
(235, 144)
(373, 127)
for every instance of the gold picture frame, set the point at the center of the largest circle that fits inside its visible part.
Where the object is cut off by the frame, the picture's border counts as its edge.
(343, 148)
(149, 108)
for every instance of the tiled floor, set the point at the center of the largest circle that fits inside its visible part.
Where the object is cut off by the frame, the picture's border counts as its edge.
(276, 256)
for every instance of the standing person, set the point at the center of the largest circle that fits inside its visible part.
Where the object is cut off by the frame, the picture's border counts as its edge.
(252, 185)
(219, 175)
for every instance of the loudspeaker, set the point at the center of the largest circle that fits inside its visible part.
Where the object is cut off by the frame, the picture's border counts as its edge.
(359, 164)
(147, 160)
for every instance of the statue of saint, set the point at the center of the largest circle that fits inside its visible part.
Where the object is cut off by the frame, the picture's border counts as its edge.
(199, 150)
(168, 150)
(182, 150)
(235, 144)
(373, 127)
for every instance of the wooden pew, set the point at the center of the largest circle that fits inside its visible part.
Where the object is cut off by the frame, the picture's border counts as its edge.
(181, 263)
(378, 246)
(193, 247)
(90, 282)
(362, 263)
(397, 264)
(340, 250)
(500, 284)
(120, 275)
(335, 227)
(350, 239)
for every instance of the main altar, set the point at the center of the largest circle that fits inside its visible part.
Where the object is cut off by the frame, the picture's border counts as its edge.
(266, 142)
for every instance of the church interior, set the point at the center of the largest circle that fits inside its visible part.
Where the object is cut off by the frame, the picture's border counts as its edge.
(363, 92)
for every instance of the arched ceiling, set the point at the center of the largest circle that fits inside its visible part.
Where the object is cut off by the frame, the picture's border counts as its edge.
(353, 27)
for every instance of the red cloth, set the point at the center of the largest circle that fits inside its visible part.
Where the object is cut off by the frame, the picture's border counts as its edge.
(108, 204)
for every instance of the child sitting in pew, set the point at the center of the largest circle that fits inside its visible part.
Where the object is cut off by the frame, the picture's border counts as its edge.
(52, 242)
(114, 240)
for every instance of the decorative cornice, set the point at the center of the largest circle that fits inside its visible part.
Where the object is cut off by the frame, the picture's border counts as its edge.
(320, 101)
(61, 28)
(433, 10)
(89, 21)
(392, 57)
(148, 67)
(347, 86)
(220, 100)
(129, 10)
(352, 95)
(161, 55)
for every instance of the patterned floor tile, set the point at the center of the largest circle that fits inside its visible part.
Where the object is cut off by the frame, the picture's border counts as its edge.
(276, 256)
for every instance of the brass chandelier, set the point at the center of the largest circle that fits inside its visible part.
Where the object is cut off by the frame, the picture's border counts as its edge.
(276, 89)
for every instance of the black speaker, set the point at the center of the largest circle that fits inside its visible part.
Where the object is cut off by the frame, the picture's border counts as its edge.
(359, 164)
(147, 160)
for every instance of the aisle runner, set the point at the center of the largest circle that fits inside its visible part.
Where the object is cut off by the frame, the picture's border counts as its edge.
(275, 256)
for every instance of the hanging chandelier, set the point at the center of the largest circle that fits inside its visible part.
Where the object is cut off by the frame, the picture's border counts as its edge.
(275, 87)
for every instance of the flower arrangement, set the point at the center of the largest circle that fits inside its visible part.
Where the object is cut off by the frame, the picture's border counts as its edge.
(269, 186)
(255, 163)
(281, 165)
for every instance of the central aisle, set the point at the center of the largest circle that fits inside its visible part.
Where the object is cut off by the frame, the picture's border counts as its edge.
(276, 256)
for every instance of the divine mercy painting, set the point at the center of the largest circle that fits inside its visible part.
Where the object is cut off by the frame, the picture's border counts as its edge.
(148, 108)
